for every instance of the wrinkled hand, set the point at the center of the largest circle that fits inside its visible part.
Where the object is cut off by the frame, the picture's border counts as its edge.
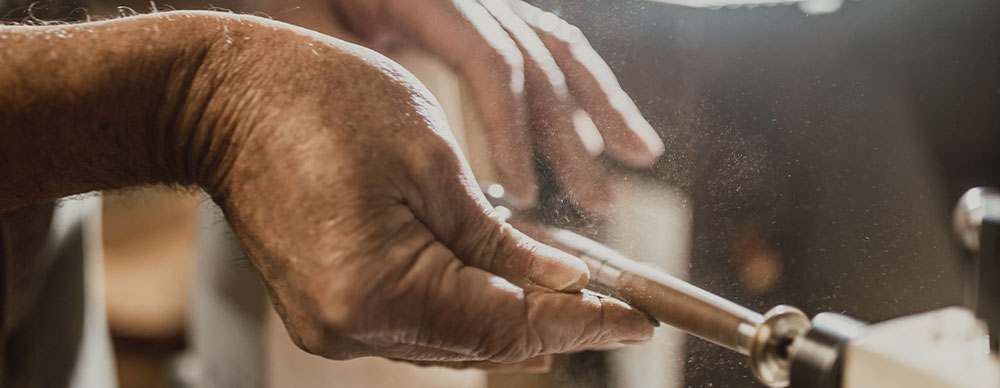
(342, 181)
(537, 83)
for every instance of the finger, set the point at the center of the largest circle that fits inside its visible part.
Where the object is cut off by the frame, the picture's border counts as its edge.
(540, 364)
(627, 135)
(470, 40)
(450, 205)
(562, 143)
(469, 311)
(527, 263)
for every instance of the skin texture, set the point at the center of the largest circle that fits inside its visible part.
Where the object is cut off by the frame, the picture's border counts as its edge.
(333, 165)
(540, 88)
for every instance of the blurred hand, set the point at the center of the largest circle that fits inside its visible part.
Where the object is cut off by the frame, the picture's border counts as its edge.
(539, 86)
(340, 177)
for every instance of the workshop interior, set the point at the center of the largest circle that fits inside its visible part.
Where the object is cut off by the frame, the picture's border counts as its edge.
(826, 212)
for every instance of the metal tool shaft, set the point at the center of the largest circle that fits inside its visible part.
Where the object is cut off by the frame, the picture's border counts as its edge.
(666, 298)
(765, 339)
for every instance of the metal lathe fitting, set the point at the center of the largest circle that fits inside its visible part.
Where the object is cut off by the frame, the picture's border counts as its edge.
(817, 359)
(769, 350)
(978, 205)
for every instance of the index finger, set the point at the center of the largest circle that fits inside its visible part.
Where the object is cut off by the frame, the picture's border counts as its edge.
(467, 37)
(627, 135)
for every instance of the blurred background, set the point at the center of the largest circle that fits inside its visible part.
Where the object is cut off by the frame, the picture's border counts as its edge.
(815, 150)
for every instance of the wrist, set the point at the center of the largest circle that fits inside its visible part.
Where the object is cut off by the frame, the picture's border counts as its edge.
(196, 126)
(91, 106)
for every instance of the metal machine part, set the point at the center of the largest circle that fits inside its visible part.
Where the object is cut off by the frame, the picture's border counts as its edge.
(666, 298)
(977, 226)
(842, 352)
(783, 327)
(944, 348)
(831, 351)
(817, 359)
(766, 339)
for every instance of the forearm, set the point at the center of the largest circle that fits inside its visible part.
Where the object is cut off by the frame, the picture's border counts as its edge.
(98, 105)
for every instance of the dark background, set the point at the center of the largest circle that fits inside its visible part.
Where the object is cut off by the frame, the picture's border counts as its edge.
(835, 144)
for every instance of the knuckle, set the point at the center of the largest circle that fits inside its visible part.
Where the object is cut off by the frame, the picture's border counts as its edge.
(594, 330)
(307, 343)
(503, 62)
(565, 34)
(345, 317)
(373, 321)
(506, 66)
(500, 50)
(342, 309)
(573, 34)
(568, 33)
(312, 341)
(510, 56)
(320, 346)
(310, 329)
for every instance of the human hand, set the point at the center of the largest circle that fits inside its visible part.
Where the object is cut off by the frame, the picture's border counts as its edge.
(333, 166)
(338, 173)
(539, 88)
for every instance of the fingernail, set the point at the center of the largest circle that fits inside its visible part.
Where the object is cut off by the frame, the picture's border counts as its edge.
(652, 320)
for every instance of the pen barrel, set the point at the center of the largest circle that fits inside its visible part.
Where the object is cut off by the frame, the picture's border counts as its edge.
(666, 298)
